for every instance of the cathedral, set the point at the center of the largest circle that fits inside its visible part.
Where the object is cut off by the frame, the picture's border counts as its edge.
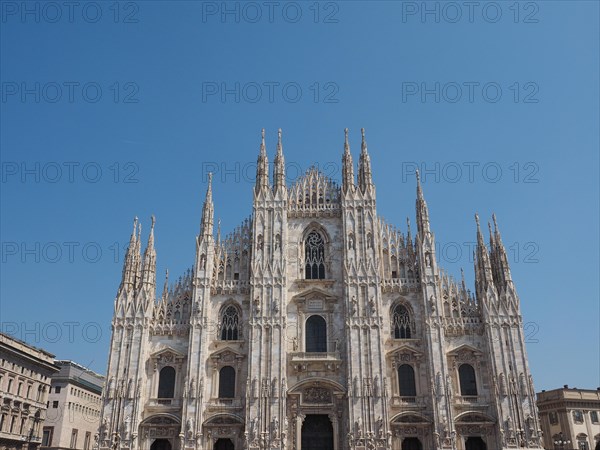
(316, 325)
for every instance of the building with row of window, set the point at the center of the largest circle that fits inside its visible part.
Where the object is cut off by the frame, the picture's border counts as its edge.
(317, 325)
(570, 418)
(25, 373)
(74, 404)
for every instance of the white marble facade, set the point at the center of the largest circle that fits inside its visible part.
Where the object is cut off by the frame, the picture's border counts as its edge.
(316, 325)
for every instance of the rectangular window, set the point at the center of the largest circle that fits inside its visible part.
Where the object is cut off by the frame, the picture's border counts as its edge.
(55, 404)
(22, 428)
(10, 382)
(394, 274)
(73, 438)
(19, 387)
(553, 418)
(594, 416)
(28, 391)
(47, 436)
(57, 389)
(86, 442)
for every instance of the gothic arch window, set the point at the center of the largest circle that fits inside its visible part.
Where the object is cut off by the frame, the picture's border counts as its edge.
(166, 382)
(230, 323)
(401, 323)
(468, 382)
(406, 381)
(227, 382)
(314, 256)
(316, 334)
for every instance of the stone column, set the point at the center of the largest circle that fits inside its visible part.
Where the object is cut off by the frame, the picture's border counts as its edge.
(336, 430)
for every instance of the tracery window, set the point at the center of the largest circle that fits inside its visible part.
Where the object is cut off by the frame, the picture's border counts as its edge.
(401, 323)
(230, 324)
(314, 253)
(578, 416)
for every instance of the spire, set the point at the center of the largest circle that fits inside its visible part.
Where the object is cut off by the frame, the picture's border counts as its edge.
(129, 264)
(365, 179)
(483, 268)
(279, 166)
(149, 264)
(208, 211)
(165, 291)
(138, 257)
(262, 167)
(499, 258)
(347, 167)
(422, 209)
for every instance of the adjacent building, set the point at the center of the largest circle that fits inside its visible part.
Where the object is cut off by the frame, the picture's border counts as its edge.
(25, 373)
(570, 418)
(74, 405)
(317, 325)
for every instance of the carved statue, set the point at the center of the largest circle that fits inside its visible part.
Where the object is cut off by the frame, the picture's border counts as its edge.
(255, 428)
(274, 392)
(359, 427)
(275, 427)
(354, 306)
(295, 343)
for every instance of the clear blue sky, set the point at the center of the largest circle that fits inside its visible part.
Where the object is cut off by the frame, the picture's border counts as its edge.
(136, 94)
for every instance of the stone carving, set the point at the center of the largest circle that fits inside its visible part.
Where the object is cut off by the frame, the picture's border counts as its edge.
(316, 395)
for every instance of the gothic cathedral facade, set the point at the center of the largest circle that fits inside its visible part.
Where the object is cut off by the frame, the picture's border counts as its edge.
(315, 325)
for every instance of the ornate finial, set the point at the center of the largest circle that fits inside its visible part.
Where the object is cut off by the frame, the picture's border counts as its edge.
(490, 227)
(153, 220)
(477, 219)
(418, 176)
(362, 132)
(262, 133)
(209, 178)
(279, 134)
(495, 222)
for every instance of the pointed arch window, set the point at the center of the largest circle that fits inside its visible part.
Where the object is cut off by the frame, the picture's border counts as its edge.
(230, 323)
(401, 323)
(468, 382)
(166, 382)
(406, 381)
(316, 334)
(227, 382)
(314, 253)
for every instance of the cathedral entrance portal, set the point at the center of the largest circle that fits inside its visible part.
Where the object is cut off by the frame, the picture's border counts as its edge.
(475, 443)
(411, 444)
(224, 444)
(317, 433)
(161, 444)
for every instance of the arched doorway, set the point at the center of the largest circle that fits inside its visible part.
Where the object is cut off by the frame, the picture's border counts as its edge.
(475, 443)
(317, 432)
(161, 444)
(411, 443)
(224, 444)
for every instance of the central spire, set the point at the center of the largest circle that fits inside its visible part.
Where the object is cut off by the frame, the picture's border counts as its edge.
(347, 166)
(365, 179)
(208, 211)
(262, 167)
(279, 166)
